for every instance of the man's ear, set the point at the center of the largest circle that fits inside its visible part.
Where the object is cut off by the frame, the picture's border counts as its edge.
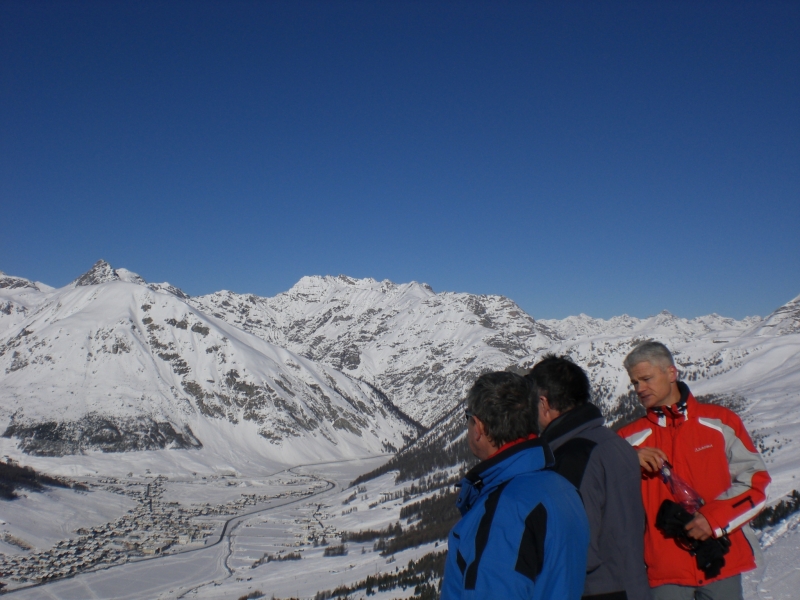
(479, 430)
(545, 403)
(672, 371)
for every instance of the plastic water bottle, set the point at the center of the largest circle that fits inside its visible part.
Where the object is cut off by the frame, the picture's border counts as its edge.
(684, 494)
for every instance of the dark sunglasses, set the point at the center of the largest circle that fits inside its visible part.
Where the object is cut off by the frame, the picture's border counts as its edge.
(468, 415)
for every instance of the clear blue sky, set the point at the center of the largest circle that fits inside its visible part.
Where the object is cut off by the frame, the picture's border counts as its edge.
(597, 157)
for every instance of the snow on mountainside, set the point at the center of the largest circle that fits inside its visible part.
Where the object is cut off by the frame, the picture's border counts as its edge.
(664, 322)
(17, 297)
(784, 321)
(288, 365)
(111, 363)
(425, 349)
(421, 348)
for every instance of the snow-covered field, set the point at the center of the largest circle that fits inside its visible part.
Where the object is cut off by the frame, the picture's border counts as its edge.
(779, 577)
(40, 519)
(225, 569)
(226, 428)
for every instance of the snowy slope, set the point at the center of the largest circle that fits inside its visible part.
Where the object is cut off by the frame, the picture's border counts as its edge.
(421, 348)
(751, 366)
(287, 365)
(18, 296)
(245, 384)
(424, 350)
(113, 364)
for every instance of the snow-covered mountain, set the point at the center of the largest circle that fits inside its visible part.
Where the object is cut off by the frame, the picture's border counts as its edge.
(784, 321)
(664, 323)
(425, 349)
(421, 348)
(327, 371)
(112, 363)
(333, 359)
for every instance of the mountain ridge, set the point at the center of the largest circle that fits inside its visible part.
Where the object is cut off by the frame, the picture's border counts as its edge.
(377, 342)
(117, 365)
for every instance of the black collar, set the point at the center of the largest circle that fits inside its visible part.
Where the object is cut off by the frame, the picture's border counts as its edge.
(679, 408)
(566, 422)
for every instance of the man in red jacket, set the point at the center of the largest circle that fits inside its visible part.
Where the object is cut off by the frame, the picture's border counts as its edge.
(709, 448)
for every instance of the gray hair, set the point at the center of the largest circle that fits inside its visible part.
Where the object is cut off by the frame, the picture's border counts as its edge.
(655, 353)
(502, 402)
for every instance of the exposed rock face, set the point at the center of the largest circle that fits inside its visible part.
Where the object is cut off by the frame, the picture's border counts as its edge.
(421, 348)
(115, 365)
(101, 272)
(13, 283)
(96, 432)
(168, 288)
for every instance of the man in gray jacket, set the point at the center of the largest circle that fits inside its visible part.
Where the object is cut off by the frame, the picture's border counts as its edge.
(605, 471)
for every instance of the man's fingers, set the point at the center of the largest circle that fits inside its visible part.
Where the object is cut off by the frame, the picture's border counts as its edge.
(699, 528)
(660, 456)
(645, 463)
(696, 534)
(651, 459)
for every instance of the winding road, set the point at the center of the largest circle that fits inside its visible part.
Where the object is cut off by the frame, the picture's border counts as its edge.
(179, 574)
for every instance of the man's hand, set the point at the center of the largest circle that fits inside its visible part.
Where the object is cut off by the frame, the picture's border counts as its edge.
(699, 528)
(652, 459)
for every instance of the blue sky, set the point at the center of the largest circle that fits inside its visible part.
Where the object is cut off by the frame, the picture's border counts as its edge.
(606, 158)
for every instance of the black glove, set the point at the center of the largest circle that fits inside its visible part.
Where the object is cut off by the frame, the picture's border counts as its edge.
(672, 519)
(709, 555)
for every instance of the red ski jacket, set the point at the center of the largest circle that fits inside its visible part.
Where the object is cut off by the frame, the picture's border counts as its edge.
(710, 449)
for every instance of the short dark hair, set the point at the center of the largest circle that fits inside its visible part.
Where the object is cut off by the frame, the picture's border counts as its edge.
(561, 381)
(501, 401)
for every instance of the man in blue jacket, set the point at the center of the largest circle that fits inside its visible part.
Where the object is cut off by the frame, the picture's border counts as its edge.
(523, 532)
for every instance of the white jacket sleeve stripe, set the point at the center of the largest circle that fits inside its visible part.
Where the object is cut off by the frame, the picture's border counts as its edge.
(638, 438)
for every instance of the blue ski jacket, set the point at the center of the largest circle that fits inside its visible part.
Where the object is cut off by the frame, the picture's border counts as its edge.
(523, 532)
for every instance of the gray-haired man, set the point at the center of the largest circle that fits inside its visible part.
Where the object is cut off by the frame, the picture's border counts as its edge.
(708, 447)
(523, 532)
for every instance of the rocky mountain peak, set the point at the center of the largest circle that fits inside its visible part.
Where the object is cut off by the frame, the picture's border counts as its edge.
(783, 320)
(101, 272)
(10, 282)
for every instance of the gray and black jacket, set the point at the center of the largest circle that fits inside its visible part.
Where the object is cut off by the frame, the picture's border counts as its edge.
(605, 469)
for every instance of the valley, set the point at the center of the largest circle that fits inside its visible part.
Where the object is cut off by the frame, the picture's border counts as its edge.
(307, 445)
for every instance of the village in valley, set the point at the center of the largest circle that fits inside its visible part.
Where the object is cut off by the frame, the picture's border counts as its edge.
(233, 535)
(154, 527)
